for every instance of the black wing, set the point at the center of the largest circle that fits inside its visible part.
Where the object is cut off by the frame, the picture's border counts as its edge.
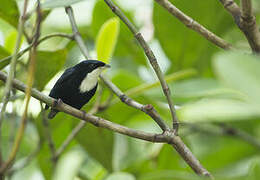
(61, 83)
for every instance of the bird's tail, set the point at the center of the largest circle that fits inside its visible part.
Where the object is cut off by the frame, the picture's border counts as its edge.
(52, 114)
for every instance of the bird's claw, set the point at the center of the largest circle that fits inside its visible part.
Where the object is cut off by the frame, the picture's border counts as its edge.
(57, 102)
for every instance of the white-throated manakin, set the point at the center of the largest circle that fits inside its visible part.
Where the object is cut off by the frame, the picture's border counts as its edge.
(77, 85)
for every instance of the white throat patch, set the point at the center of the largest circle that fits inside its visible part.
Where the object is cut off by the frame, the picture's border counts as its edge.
(90, 81)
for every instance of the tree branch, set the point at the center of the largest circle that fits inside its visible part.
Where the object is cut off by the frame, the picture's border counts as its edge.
(148, 109)
(76, 33)
(245, 20)
(189, 158)
(40, 41)
(151, 57)
(96, 121)
(194, 25)
(247, 12)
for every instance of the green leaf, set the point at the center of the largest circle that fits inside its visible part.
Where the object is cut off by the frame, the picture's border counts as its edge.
(125, 80)
(9, 12)
(3, 53)
(48, 64)
(58, 3)
(241, 72)
(194, 89)
(98, 143)
(69, 165)
(106, 39)
(10, 41)
(120, 175)
(219, 110)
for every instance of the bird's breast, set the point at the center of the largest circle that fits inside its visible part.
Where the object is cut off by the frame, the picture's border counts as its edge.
(90, 81)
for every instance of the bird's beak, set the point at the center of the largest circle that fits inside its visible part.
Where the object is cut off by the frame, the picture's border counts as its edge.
(107, 66)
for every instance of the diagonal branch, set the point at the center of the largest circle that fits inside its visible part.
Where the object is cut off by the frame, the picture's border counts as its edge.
(19, 54)
(250, 28)
(152, 59)
(96, 121)
(148, 109)
(194, 25)
(247, 12)
(245, 20)
(76, 33)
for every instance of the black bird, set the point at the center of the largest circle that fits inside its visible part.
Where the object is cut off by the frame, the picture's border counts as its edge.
(77, 85)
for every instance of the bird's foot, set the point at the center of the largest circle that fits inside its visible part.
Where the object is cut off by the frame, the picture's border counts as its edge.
(57, 102)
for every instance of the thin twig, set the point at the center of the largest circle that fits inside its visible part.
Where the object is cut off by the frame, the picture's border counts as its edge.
(152, 59)
(76, 33)
(194, 25)
(40, 41)
(148, 109)
(245, 20)
(28, 92)
(231, 131)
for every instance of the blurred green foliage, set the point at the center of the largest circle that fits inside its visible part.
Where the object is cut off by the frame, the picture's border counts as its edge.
(225, 90)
